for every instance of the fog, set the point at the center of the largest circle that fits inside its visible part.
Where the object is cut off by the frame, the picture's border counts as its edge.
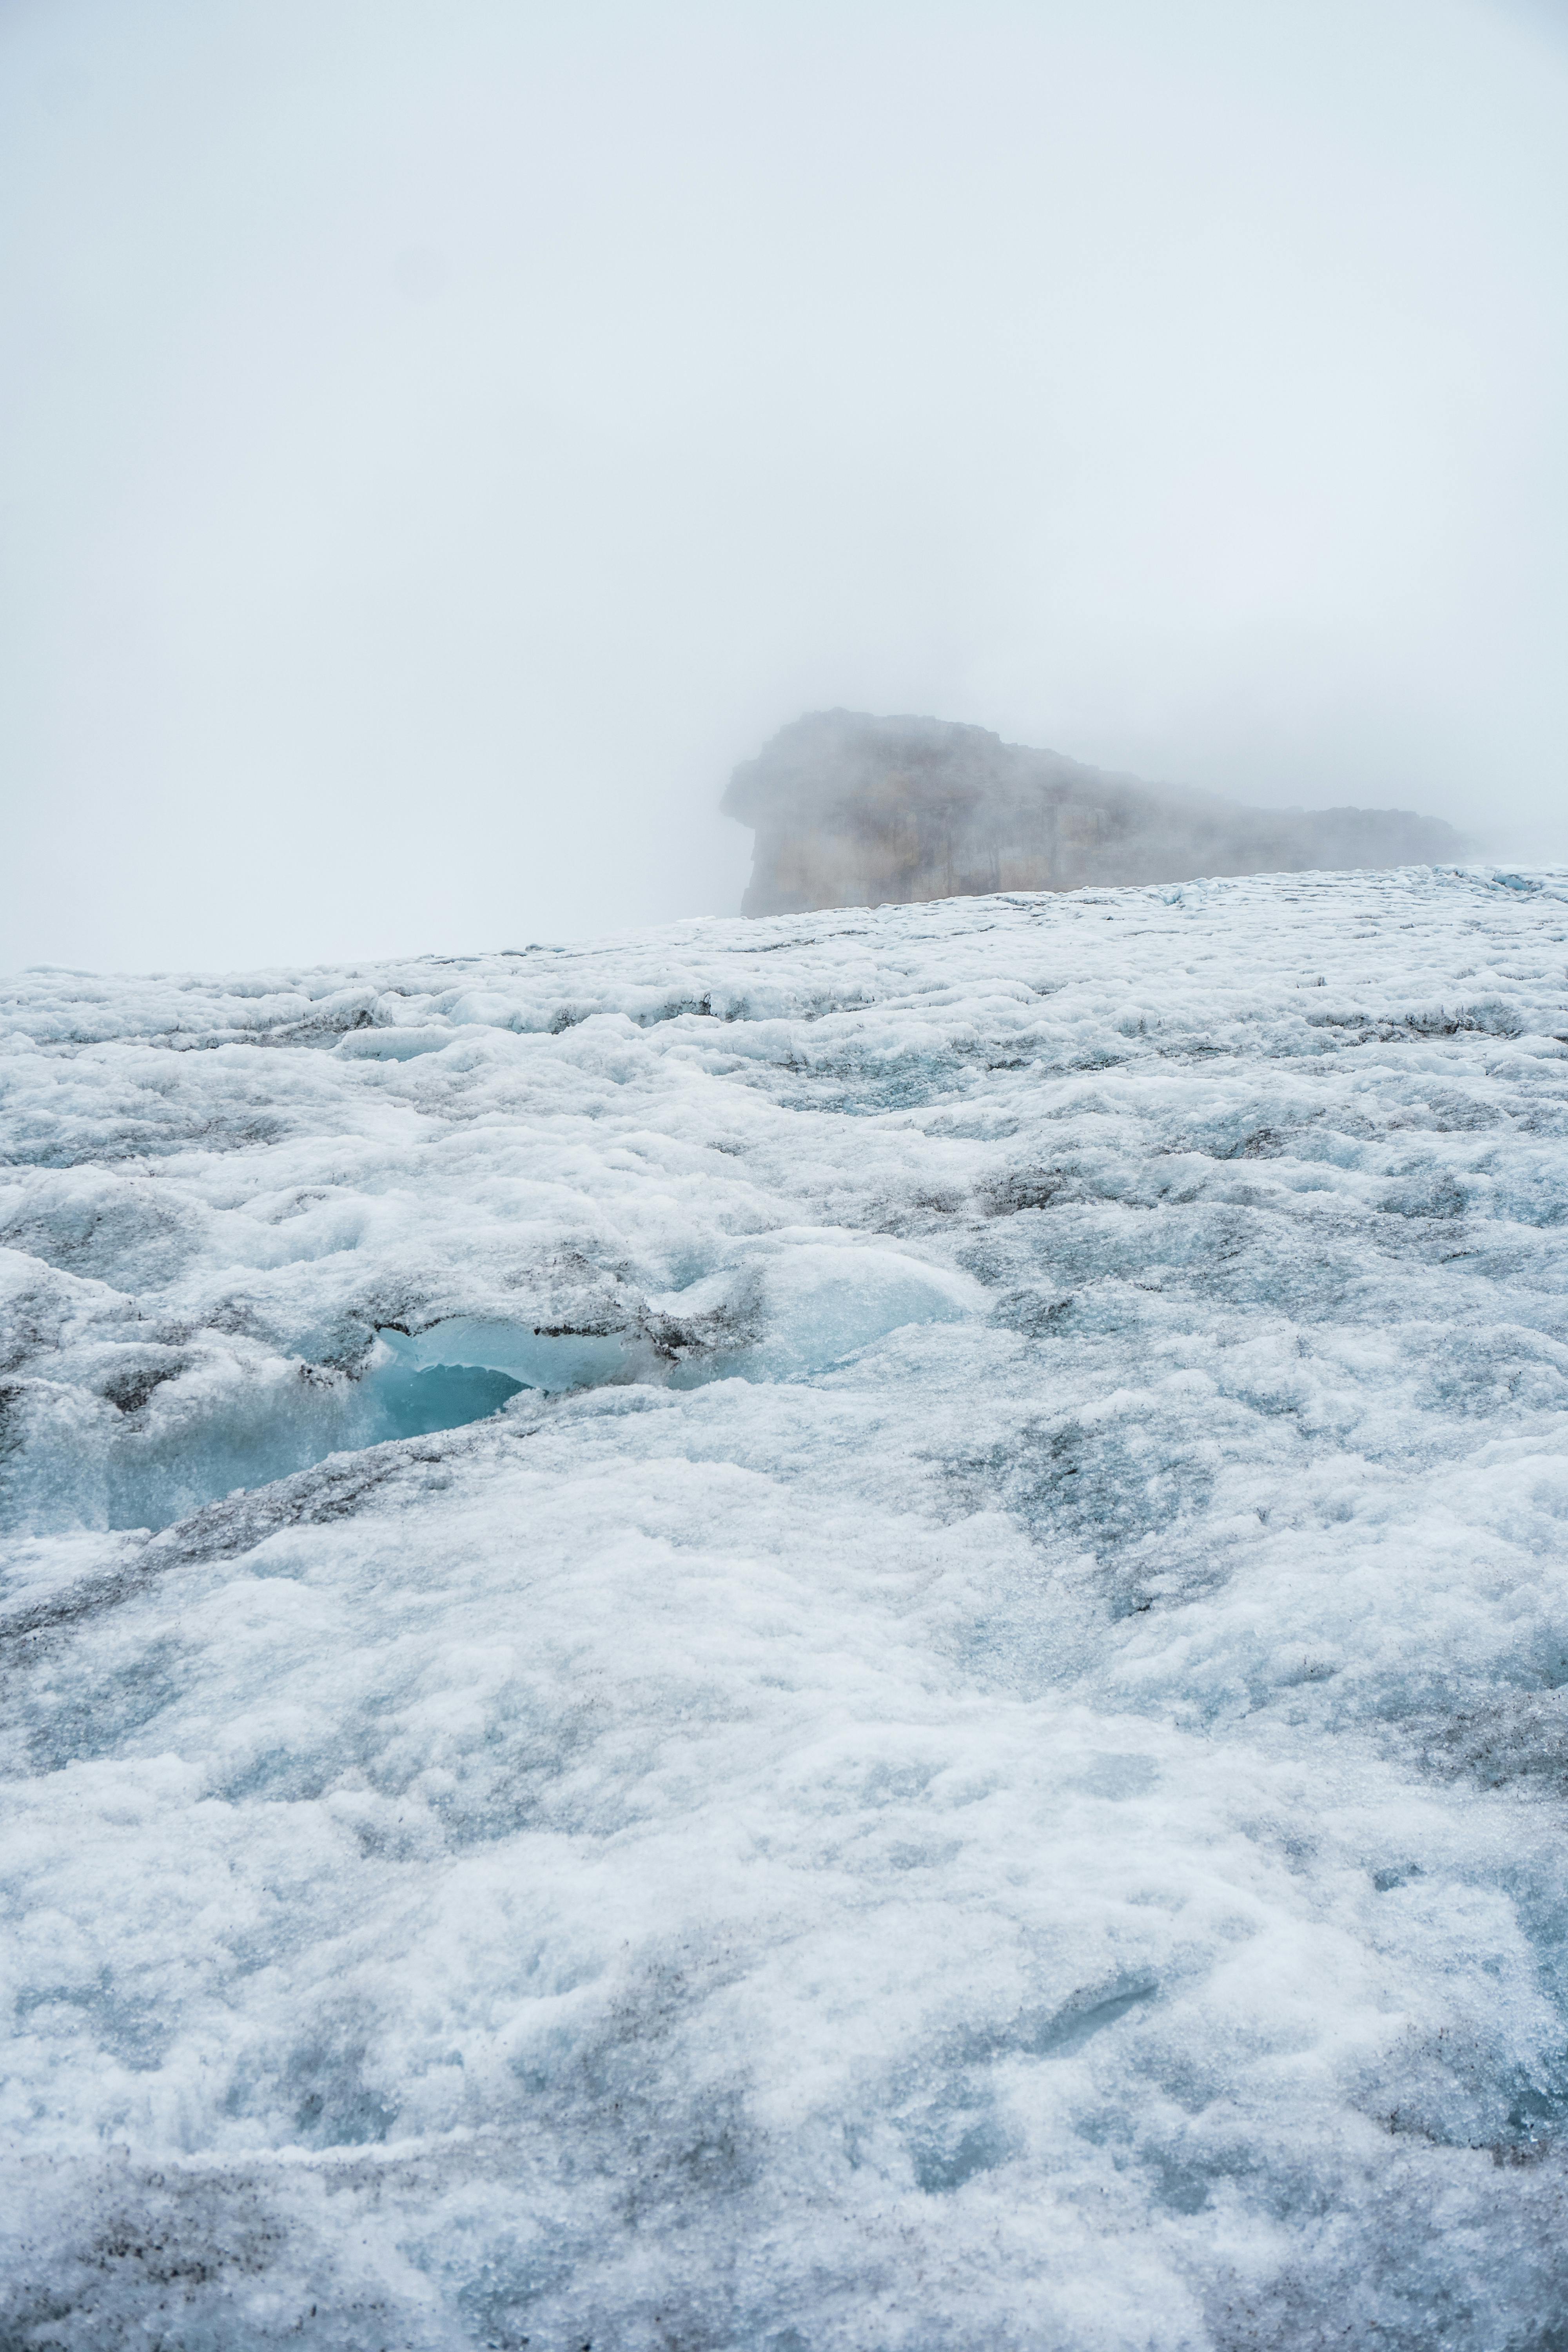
(437, 443)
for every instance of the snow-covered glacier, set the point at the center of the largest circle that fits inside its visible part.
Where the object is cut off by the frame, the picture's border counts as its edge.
(839, 1634)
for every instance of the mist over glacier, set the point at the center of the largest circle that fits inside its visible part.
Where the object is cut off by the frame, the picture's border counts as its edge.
(450, 439)
(963, 1747)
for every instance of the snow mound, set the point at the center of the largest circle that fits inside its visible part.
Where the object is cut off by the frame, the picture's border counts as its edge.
(810, 1635)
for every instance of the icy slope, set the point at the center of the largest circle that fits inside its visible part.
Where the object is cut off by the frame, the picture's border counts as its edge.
(973, 1757)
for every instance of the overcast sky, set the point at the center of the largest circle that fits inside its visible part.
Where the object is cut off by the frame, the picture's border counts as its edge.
(439, 440)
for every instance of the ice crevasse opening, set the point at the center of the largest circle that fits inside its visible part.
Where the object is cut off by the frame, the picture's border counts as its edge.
(803, 1309)
(144, 1435)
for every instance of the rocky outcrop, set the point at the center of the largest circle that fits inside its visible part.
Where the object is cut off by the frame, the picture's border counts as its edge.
(854, 811)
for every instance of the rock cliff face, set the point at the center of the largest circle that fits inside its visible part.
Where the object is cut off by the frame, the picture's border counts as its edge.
(854, 811)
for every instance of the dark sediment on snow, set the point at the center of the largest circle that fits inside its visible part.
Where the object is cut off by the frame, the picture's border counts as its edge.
(851, 810)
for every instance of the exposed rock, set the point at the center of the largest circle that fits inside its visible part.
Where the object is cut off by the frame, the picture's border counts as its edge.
(853, 811)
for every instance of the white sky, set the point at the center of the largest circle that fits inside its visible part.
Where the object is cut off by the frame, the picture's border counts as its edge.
(437, 440)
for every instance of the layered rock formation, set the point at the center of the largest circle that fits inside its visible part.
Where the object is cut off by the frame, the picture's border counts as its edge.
(854, 811)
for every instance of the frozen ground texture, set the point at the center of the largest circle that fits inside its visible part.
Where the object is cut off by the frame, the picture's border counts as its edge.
(975, 1755)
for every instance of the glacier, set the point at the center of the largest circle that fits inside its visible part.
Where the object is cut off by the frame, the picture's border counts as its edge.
(840, 1633)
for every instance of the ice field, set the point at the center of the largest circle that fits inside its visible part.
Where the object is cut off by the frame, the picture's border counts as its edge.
(839, 1634)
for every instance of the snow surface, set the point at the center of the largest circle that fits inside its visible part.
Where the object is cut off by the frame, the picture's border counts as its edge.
(975, 1755)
